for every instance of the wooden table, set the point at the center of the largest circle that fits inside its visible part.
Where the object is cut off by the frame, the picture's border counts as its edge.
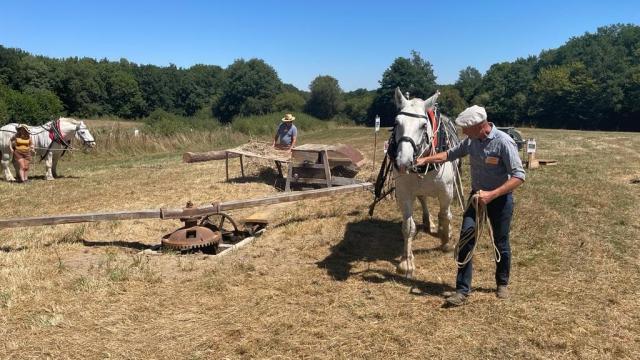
(279, 160)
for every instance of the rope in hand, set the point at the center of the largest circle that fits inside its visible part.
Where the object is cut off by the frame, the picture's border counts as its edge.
(482, 220)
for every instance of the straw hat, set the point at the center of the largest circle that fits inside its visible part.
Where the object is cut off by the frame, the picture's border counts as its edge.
(288, 118)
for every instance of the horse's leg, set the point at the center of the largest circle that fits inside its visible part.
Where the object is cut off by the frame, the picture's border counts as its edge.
(444, 219)
(54, 165)
(49, 164)
(406, 266)
(426, 219)
(6, 158)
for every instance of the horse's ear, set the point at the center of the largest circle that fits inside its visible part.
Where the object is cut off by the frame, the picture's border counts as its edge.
(430, 102)
(399, 99)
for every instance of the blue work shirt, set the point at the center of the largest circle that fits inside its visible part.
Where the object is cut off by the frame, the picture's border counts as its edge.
(286, 135)
(494, 159)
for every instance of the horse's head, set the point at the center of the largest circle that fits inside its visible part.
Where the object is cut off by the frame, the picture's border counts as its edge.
(79, 129)
(83, 134)
(412, 129)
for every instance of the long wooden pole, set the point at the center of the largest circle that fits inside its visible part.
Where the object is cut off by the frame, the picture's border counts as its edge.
(180, 213)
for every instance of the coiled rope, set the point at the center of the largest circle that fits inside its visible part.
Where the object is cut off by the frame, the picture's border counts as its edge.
(482, 220)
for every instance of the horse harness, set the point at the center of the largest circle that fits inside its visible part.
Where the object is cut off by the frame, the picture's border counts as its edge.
(437, 144)
(55, 134)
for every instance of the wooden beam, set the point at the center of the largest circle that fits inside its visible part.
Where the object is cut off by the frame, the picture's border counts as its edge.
(191, 157)
(179, 213)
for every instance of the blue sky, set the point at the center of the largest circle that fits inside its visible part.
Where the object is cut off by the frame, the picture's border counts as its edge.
(353, 41)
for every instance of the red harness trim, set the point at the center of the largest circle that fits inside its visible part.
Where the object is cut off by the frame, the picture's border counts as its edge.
(52, 131)
(434, 127)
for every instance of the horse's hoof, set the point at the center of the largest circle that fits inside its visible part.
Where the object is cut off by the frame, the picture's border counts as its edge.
(446, 247)
(404, 270)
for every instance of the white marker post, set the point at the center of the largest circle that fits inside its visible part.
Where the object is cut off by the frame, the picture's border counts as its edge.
(532, 162)
(375, 140)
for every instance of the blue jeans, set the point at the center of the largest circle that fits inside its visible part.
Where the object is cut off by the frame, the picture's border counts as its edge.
(500, 211)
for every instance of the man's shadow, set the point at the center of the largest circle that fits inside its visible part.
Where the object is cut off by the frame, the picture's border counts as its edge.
(369, 241)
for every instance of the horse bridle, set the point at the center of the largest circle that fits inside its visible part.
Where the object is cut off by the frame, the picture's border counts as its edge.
(416, 151)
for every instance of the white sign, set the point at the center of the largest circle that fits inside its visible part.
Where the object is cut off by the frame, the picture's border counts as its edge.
(531, 146)
(377, 123)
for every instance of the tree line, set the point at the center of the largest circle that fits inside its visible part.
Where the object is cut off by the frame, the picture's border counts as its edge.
(591, 82)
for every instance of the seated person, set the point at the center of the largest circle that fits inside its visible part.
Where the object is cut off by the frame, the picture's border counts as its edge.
(286, 135)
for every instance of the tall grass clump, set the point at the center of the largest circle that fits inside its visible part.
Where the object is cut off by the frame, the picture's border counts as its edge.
(266, 125)
(164, 132)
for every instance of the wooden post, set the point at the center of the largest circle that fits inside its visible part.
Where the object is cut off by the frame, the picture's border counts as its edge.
(279, 166)
(241, 166)
(532, 162)
(226, 165)
(287, 186)
(327, 171)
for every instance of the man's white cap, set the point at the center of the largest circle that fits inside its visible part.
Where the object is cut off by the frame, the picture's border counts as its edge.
(471, 116)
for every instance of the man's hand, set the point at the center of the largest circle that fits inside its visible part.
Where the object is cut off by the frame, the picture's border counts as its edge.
(485, 197)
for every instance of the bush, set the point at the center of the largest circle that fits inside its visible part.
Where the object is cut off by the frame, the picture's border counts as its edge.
(32, 107)
(266, 125)
(160, 122)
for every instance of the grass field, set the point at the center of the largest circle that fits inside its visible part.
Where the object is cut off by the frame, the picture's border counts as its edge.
(321, 282)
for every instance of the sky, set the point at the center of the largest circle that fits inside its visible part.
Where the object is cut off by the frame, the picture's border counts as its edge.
(353, 41)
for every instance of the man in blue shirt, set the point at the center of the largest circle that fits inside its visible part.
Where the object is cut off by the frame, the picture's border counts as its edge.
(496, 170)
(287, 134)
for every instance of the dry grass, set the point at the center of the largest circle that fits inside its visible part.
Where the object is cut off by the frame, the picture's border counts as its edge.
(321, 283)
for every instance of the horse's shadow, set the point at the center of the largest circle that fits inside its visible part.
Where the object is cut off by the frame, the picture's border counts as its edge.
(43, 177)
(369, 241)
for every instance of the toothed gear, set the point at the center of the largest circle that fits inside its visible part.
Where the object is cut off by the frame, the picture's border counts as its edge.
(194, 237)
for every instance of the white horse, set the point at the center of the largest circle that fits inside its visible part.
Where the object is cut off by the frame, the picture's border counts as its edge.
(414, 136)
(50, 141)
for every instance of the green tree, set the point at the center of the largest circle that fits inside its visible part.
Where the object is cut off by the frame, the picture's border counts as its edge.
(249, 87)
(326, 98)
(506, 87)
(468, 83)
(357, 104)
(288, 101)
(414, 75)
(450, 102)
(562, 96)
(124, 98)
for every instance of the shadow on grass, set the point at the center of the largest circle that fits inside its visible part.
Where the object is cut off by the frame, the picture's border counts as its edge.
(119, 243)
(266, 175)
(375, 240)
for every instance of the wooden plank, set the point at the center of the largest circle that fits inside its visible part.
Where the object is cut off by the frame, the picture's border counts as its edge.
(260, 217)
(267, 157)
(300, 156)
(179, 213)
(308, 172)
(548, 162)
(79, 218)
(335, 181)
